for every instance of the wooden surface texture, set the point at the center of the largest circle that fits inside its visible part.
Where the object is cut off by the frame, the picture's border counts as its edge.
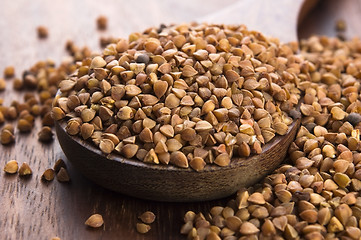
(30, 209)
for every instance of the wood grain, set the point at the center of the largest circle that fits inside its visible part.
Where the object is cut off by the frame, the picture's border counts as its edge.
(30, 209)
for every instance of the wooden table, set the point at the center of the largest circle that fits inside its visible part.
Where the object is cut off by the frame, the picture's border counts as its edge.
(30, 209)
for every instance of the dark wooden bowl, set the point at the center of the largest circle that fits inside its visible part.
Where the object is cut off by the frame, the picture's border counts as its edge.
(170, 183)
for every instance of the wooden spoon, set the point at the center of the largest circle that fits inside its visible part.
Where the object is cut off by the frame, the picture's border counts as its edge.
(170, 183)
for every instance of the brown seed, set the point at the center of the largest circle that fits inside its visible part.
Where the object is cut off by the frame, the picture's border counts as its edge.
(73, 127)
(309, 215)
(147, 217)
(62, 175)
(179, 159)
(187, 101)
(88, 114)
(24, 125)
(290, 232)
(197, 164)
(353, 232)
(161, 147)
(6, 137)
(268, 228)
(188, 134)
(257, 198)
(167, 131)
(129, 150)
(342, 179)
(66, 85)
(42, 32)
(280, 128)
(189, 71)
(97, 62)
(213, 236)
(146, 135)
(160, 88)
(143, 228)
(149, 100)
(125, 113)
(106, 146)
(338, 113)
(248, 228)
(45, 134)
(171, 101)
(102, 23)
(48, 120)
(329, 151)
(260, 212)
(25, 169)
(280, 222)
(132, 90)
(187, 227)
(57, 113)
(203, 126)
(151, 157)
(324, 216)
(233, 223)
(9, 71)
(164, 158)
(95, 221)
(208, 106)
(283, 195)
(48, 175)
(86, 130)
(303, 163)
(59, 164)
(11, 167)
(173, 145)
(335, 225)
(2, 84)
(222, 160)
(148, 123)
(343, 213)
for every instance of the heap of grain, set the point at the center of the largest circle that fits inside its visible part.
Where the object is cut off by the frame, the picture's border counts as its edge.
(186, 95)
(316, 195)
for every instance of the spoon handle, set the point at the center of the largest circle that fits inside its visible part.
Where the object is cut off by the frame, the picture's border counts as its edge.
(277, 18)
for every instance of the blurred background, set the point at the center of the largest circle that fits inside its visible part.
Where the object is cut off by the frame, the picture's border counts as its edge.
(76, 20)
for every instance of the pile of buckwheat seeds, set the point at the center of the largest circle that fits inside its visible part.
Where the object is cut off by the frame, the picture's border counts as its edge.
(315, 194)
(192, 95)
(188, 95)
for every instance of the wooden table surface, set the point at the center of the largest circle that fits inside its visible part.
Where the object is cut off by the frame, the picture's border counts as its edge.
(30, 209)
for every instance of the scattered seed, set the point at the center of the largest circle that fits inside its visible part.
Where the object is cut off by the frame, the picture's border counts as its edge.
(9, 72)
(62, 175)
(48, 175)
(95, 221)
(340, 25)
(6, 137)
(11, 167)
(25, 169)
(42, 32)
(102, 23)
(143, 228)
(147, 217)
(59, 164)
(45, 134)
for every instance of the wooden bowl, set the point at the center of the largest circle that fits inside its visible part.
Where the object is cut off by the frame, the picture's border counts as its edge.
(166, 182)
